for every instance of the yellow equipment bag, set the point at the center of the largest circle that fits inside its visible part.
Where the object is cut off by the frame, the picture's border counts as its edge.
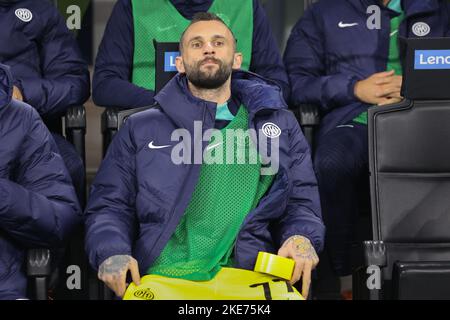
(228, 284)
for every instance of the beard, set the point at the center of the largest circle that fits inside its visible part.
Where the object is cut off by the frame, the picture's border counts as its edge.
(208, 79)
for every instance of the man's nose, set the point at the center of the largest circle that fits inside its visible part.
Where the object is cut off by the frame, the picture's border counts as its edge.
(208, 48)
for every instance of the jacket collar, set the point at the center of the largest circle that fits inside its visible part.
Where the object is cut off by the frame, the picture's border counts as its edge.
(6, 87)
(256, 93)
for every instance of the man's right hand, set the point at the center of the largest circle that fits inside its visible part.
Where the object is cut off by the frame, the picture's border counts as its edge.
(113, 272)
(380, 88)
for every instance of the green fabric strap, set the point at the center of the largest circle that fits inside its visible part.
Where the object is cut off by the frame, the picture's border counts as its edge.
(204, 239)
(160, 20)
(394, 54)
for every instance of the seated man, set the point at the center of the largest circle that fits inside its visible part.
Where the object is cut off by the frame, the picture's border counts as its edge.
(345, 60)
(49, 73)
(38, 204)
(124, 74)
(187, 219)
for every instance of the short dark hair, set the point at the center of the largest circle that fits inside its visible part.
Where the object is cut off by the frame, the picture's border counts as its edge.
(205, 16)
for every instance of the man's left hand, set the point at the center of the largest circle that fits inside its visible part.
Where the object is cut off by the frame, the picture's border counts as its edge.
(302, 251)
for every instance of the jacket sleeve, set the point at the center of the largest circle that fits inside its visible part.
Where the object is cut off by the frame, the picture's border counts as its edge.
(266, 58)
(65, 75)
(111, 82)
(303, 212)
(39, 206)
(110, 213)
(305, 59)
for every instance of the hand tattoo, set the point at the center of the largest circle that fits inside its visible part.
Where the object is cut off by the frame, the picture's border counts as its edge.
(114, 265)
(303, 247)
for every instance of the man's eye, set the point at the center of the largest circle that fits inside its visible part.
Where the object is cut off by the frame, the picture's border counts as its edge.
(196, 45)
(218, 43)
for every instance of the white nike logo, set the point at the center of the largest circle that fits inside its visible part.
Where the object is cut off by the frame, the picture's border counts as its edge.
(213, 146)
(394, 32)
(166, 28)
(346, 25)
(152, 146)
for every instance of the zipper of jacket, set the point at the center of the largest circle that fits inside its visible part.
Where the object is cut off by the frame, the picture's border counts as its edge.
(179, 194)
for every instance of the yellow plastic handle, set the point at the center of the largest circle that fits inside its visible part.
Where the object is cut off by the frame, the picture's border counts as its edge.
(274, 265)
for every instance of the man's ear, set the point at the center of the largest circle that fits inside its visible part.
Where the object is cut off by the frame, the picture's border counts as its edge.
(237, 62)
(180, 64)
